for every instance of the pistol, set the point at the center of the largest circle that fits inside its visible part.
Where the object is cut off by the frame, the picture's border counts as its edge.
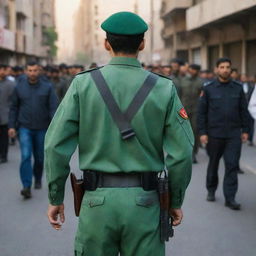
(166, 228)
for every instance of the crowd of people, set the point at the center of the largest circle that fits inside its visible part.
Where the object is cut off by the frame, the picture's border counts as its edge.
(189, 81)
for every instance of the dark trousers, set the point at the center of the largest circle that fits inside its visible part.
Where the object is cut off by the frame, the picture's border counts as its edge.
(3, 141)
(229, 148)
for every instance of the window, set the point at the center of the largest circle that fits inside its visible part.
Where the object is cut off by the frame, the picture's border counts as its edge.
(196, 56)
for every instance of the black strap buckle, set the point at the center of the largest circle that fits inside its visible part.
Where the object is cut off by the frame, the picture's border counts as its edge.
(128, 133)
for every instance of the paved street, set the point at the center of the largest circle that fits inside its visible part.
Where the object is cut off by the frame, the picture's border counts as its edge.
(209, 229)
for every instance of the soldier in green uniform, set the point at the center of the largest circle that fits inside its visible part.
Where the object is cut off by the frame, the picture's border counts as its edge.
(191, 86)
(120, 208)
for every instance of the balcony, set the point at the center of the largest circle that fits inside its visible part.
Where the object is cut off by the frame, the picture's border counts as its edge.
(170, 6)
(7, 39)
(22, 7)
(211, 10)
(20, 41)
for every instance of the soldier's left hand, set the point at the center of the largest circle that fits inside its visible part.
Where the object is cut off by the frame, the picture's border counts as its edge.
(56, 215)
(244, 137)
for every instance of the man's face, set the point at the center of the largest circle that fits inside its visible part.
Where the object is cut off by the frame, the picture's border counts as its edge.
(224, 70)
(175, 67)
(2, 73)
(8, 71)
(166, 71)
(235, 75)
(55, 75)
(192, 72)
(32, 72)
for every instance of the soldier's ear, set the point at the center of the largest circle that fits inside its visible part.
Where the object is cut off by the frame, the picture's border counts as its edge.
(107, 45)
(142, 45)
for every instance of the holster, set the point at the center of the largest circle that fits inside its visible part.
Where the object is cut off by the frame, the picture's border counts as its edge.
(78, 192)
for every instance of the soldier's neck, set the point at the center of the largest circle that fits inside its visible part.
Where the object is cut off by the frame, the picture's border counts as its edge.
(120, 54)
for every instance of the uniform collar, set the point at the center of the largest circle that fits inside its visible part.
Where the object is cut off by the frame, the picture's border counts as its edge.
(125, 61)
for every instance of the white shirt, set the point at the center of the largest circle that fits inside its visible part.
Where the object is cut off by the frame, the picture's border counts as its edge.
(252, 104)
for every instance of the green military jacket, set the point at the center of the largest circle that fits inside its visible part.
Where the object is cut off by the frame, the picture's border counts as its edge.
(190, 92)
(83, 119)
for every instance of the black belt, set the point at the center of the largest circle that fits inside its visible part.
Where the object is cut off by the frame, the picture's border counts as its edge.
(95, 179)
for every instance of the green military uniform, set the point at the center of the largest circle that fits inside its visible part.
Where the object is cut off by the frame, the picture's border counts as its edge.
(119, 220)
(190, 91)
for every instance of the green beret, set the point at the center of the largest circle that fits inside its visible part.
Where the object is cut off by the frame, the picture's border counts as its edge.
(124, 23)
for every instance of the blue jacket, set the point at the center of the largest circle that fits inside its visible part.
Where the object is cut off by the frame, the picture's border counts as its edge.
(33, 105)
(222, 110)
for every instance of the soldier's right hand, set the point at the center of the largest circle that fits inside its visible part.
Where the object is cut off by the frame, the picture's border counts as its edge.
(177, 216)
(56, 215)
(204, 139)
(12, 133)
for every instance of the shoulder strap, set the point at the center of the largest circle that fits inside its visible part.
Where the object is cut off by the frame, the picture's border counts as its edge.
(123, 120)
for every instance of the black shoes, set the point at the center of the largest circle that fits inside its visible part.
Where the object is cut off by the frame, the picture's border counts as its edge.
(232, 204)
(26, 193)
(194, 159)
(3, 160)
(38, 185)
(211, 197)
(240, 171)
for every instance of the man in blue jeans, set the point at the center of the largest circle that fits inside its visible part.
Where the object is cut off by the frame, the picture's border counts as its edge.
(33, 106)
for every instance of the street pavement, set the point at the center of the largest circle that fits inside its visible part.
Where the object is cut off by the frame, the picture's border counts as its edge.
(208, 229)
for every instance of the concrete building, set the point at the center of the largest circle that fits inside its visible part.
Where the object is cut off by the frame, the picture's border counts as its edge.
(91, 37)
(200, 31)
(22, 30)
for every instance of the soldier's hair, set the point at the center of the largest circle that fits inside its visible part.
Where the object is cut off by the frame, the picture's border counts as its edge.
(125, 43)
(222, 60)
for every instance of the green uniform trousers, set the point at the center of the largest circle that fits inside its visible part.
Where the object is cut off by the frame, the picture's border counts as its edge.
(119, 220)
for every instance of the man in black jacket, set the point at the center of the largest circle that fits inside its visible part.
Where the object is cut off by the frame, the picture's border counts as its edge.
(6, 89)
(223, 124)
(33, 106)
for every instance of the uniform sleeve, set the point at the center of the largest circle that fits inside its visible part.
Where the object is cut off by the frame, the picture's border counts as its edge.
(202, 113)
(252, 104)
(60, 143)
(178, 146)
(244, 113)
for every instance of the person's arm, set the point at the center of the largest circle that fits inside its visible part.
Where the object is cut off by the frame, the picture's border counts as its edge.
(202, 111)
(13, 113)
(178, 146)
(60, 143)
(244, 115)
(252, 104)
(53, 102)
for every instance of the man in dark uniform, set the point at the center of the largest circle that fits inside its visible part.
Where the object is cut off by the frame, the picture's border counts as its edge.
(223, 124)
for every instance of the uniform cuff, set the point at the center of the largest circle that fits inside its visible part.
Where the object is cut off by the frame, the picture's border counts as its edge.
(56, 195)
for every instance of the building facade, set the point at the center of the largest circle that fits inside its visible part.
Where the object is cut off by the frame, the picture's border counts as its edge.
(92, 13)
(23, 28)
(201, 31)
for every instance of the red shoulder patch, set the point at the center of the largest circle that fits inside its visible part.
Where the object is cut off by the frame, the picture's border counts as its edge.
(183, 113)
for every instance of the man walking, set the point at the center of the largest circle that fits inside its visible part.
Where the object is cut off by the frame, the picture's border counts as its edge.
(191, 86)
(223, 124)
(33, 106)
(6, 89)
(120, 154)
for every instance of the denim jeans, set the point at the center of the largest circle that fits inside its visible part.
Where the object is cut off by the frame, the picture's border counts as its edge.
(31, 141)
